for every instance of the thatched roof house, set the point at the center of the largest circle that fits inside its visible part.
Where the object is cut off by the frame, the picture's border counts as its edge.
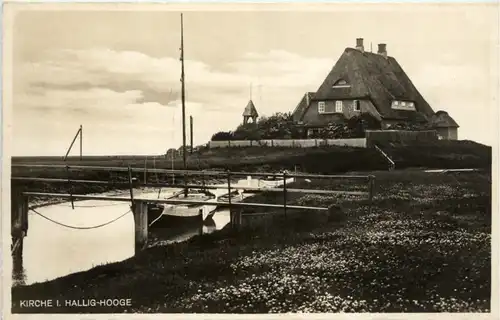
(364, 82)
(442, 119)
(299, 110)
(250, 112)
(444, 124)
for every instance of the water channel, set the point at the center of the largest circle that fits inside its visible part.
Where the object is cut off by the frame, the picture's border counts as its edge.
(51, 250)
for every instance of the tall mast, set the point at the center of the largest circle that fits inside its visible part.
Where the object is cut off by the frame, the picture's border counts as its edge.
(183, 105)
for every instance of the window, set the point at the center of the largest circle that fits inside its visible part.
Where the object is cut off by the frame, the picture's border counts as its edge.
(341, 84)
(321, 107)
(356, 106)
(403, 105)
(338, 106)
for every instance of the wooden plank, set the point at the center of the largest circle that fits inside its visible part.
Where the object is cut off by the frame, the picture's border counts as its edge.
(166, 201)
(196, 186)
(193, 172)
(310, 191)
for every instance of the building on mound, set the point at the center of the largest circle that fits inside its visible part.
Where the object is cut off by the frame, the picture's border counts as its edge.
(365, 82)
(250, 113)
(445, 126)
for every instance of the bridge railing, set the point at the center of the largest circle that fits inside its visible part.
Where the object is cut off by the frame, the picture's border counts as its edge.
(234, 206)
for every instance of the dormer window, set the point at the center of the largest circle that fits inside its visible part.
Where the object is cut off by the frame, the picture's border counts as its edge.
(341, 84)
(403, 105)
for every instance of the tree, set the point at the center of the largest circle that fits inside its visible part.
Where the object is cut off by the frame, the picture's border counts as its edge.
(278, 126)
(247, 131)
(222, 136)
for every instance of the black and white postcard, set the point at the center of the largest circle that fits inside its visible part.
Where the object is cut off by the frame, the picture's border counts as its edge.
(248, 159)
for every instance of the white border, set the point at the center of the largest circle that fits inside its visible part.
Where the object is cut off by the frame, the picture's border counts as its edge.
(9, 11)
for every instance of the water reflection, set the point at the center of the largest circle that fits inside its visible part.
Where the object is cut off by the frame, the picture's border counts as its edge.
(51, 251)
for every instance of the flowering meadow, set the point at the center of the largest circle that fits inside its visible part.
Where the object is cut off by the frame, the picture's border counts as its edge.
(425, 247)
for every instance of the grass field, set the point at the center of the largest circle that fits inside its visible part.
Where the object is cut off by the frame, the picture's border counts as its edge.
(424, 248)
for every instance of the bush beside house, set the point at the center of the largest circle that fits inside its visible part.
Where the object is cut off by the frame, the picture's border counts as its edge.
(281, 126)
(278, 126)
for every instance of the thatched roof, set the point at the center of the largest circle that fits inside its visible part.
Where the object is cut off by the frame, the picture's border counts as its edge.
(250, 110)
(302, 106)
(443, 120)
(375, 77)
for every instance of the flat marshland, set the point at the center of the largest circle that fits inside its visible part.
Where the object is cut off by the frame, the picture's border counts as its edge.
(425, 247)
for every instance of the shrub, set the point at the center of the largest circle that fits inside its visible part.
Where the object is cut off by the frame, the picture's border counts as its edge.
(278, 126)
(222, 136)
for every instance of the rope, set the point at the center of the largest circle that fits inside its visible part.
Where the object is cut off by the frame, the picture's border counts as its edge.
(157, 218)
(79, 228)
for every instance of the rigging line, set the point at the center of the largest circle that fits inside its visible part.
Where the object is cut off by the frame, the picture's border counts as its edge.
(80, 228)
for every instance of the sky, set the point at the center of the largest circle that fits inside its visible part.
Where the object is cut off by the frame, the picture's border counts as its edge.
(116, 72)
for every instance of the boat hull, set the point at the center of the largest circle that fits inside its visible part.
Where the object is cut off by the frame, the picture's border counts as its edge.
(166, 216)
(171, 221)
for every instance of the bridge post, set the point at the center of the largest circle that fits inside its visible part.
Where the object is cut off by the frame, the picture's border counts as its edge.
(140, 211)
(371, 184)
(236, 217)
(284, 193)
(19, 228)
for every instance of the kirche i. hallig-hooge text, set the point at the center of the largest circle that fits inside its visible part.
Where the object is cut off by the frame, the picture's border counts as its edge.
(50, 303)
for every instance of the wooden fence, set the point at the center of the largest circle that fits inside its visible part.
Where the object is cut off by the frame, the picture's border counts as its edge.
(290, 143)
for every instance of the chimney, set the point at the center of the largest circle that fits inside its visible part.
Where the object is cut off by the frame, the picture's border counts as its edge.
(382, 50)
(307, 98)
(359, 44)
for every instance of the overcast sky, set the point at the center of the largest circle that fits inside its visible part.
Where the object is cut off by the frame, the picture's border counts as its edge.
(117, 72)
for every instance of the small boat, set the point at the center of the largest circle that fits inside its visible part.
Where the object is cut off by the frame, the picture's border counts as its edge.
(236, 196)
(169, 215)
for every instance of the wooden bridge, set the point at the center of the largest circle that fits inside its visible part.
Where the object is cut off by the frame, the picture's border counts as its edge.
(139, 205)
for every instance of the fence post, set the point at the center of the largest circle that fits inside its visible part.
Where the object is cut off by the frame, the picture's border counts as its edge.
(231, 213)
(203, 180)
(140, 211)
(131, 187)
(70, 188)
(284, 192)
(371, 183)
